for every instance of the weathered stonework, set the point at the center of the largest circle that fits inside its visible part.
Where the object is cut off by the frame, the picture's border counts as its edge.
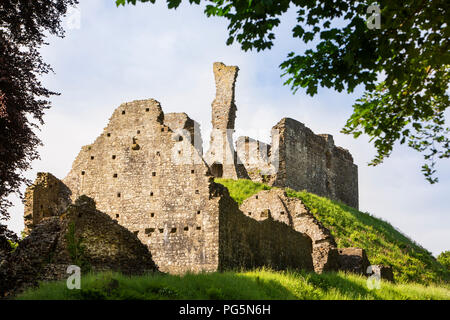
(313, 163)
(136, 172)
(256, 159)
(353, 260)
(151, 190)
(147, 172)
(221, 156)
(81, 236)
(297, 158)
(249, 243)
(275, 204)
(47, 197)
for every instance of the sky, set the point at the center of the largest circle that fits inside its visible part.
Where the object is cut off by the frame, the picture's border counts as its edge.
(113, 55)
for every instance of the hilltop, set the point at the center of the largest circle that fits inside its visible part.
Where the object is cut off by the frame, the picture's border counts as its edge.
(384, 244)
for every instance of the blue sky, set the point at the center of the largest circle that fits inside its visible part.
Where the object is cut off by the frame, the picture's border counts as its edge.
(147, 51)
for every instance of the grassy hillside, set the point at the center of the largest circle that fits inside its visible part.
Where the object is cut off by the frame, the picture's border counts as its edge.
(259, 284)
(352, 228)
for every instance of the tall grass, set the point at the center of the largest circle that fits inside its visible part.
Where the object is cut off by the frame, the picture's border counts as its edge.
(250, 285)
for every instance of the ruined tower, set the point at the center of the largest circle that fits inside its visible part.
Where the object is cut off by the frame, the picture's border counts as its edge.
(221, 156)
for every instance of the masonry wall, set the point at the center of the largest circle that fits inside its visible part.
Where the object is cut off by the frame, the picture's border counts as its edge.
(274, 204)
(180, 123)
(255, 156)
(312, 162)
(221, 152)
(46, 197)
(247, 243)
(155, 184)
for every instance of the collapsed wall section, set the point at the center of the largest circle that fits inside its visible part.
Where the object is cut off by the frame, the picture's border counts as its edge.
(246, 243)
(276, 205)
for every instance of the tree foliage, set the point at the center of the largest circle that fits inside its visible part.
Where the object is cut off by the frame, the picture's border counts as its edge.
(8, 239)
(444, 259)
(23, 27)
(403, 66)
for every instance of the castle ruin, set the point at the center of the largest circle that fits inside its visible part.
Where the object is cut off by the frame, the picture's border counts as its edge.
(148, 172)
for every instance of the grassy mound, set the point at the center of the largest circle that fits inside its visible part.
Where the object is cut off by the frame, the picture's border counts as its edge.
(251, 285)
(352, 228)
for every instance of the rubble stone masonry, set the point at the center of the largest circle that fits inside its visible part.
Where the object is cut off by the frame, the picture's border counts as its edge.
(147, 171)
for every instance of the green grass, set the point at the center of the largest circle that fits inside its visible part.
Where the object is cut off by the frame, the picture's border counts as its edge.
(351, 228)
(251, 285)
(242, 189)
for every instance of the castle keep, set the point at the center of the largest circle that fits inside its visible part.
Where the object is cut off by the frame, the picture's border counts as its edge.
(147, 171)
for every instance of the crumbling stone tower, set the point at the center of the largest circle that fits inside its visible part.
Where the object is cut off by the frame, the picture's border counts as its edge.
(221, 156)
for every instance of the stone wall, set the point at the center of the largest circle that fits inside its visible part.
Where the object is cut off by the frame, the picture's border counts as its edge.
(181, 124)
(246, 243)
(46, 197)
(256, 158)
(274, 204)
(81, 236)
(155, 184)
(312, 162)
(221, 156)
(146, 171)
